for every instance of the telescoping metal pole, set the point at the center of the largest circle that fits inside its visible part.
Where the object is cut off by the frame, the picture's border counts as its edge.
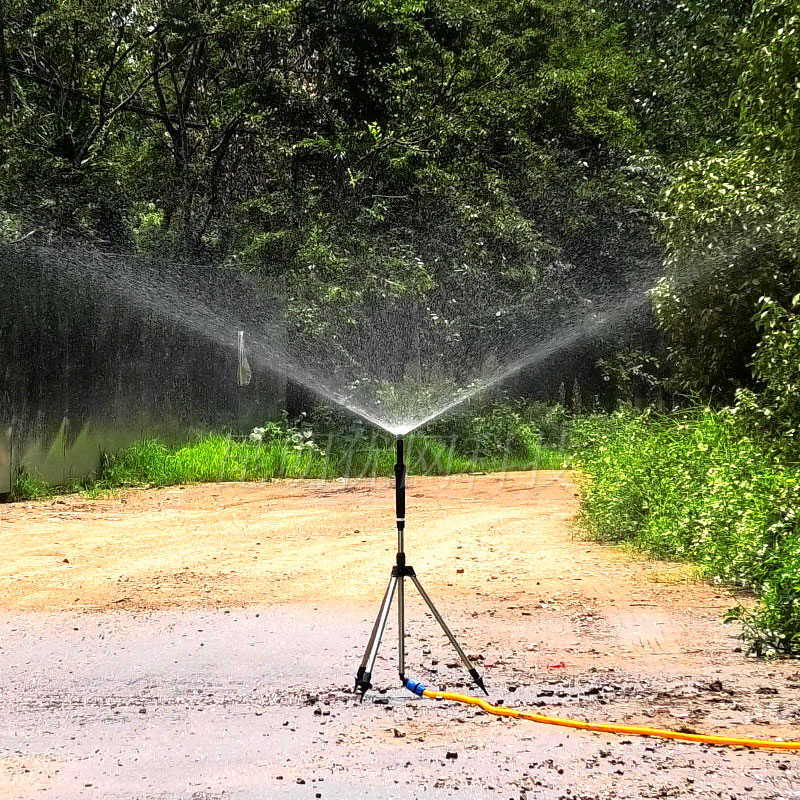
(400, 494)
(400, 569)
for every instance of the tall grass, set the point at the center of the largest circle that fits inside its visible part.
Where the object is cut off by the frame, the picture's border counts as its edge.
(223, 458)
(355, 453)
(703, 487)
(28, 486)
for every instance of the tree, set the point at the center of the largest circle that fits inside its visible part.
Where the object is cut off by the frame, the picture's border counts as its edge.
(731, 221)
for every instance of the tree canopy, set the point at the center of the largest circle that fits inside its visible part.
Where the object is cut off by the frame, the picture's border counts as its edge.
(555, 148)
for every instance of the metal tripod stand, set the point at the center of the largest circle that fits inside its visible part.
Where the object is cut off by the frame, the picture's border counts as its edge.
(400, 572)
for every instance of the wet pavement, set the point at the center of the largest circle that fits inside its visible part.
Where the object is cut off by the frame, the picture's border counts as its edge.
(255, 703)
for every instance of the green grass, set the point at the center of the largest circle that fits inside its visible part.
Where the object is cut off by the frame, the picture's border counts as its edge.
(700, 486)
(219, 458)
(222, 458)
(28, 486)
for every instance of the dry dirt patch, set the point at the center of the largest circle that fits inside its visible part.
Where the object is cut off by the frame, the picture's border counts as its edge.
(237, 544)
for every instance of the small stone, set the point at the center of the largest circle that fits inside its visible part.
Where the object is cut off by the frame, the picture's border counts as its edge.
(451, 755)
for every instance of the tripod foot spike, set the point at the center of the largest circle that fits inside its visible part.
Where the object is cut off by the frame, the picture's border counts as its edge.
(363, 684)
(478, 680)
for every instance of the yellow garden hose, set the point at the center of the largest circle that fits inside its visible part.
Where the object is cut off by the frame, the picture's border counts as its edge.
(601, 727)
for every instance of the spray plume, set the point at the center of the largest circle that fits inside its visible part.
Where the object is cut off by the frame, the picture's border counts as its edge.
(394, 356)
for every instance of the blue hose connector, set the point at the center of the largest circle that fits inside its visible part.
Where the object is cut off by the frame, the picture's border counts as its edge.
(414, 686)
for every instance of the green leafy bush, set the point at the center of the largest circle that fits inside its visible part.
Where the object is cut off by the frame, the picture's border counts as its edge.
(701, 486)
(776, 365)
(491, 432)
(503, 427)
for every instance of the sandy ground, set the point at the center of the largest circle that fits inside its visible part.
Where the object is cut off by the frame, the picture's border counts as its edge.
(201, 642)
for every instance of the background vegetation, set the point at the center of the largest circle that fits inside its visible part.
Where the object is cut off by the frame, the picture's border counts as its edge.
(716, 486)
(414, 146)
(329, 445)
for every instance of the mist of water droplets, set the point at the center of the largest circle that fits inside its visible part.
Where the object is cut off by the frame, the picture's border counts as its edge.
(395, 357)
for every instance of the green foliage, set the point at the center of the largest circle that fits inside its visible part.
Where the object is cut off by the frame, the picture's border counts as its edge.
(27, 486)
(504, 427)
(375, 147)
(631, 375)
(731, 241)
(732, 213)
(552, 421)
(326, 446)
(500, 429)
(776, 365)
(698, 486)
(686, 67)
(768, 95)
(414, 147)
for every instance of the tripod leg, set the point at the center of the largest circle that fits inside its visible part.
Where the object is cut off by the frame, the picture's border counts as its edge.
(364, 674)
(443, 625)
(401, 630)
(363, 666)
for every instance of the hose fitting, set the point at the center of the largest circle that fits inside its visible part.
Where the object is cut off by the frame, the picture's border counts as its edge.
(414, 686)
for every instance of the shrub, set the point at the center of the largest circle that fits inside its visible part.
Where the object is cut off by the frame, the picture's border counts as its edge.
(504, 427)
(701, 486)
(775, 409)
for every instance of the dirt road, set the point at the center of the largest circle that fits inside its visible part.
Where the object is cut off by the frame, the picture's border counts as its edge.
(201, 642)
